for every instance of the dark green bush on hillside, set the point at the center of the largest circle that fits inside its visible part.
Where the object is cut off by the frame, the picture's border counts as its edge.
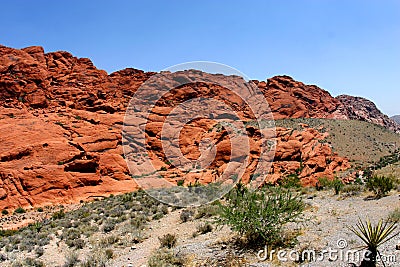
(380, 185)
(19, 210)
(260, 215)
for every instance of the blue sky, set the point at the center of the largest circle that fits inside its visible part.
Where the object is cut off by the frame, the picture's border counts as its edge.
(344, 46)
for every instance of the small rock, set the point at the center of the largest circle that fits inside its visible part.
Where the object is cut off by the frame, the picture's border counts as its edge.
(398, 247)
(133, 248)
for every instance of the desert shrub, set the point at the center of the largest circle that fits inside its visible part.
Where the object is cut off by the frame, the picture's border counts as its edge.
(380, 185)
(72, 238)
(352, 189)
(157, 216)
(88, 230)
(71, 259)
(290, 181)
(394, 216)
(163, 209)
(108, 240)
(335, 184)
(260, 215)
(40, 209)
(230, 259)
(4, 233)
(19, 210)
(39, 251)
(138, 221)
(168, 241)
(17, 264)
(3, 257)
(4, 212)
(58, 215)
(165, 257)
(108, 226)
(109, 253)
(95, 259)
(77, 243)
(186, 215)
(204, 228)
(206, 211)
(322, 183)
(33, 262)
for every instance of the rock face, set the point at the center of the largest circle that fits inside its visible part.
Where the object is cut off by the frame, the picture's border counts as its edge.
(358, 108)
(292, 99)
(396, 119)
(61, 122)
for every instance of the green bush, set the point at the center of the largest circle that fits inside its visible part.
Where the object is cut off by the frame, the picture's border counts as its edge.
(4, 212)
(260, 215)
(19, 210)
(380, 185)
(335, 184)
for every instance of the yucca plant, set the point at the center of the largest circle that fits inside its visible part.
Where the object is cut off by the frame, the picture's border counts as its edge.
(373, 237)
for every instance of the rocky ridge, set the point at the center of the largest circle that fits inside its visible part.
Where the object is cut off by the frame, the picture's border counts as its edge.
(396, 119)
(358, 108)
(61, 122)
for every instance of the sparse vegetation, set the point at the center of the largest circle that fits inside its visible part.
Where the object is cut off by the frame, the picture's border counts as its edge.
(126, 215)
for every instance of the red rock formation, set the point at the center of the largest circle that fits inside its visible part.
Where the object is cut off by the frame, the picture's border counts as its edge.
(291, 99)
(61, 121)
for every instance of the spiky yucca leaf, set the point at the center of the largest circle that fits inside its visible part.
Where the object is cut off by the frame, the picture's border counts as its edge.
(374, 236)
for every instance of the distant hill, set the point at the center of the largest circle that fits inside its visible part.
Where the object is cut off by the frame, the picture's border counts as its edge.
(396, 118)
(358, 108)
(361, 142)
